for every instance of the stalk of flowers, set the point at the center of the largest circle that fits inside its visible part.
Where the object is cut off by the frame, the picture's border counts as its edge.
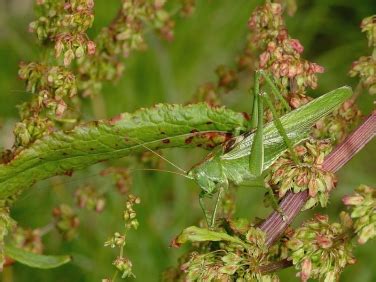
(340, 123)
(28, 239)
(66, 221)
(65, 23)
(365, 66)
(122, 37)
(88, 197)
(247, 61)
(235, 250)
(121, 177)
(210, 92)
(343, 120)
(362, 205)
(281, 54)
(320, 249)
(118, 240)
(52, 89)
(52, 86)
(286, 175)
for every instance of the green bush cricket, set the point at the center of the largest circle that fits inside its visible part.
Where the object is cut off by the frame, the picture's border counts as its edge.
(243, 159)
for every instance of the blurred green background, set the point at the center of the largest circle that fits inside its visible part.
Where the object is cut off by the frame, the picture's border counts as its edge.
(170, 72)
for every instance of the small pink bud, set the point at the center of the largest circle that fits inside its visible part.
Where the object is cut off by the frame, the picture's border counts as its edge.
(292, 71)
(352, 200)
(60, 109)
(252, 22)
(68, 57)
(295, 103)
(299, 68)
(315, 68)
(282, 35)
(67, 6)
(351, 260)
(158, 4)
(368, 232)
(322, 218)
(348, 104)
(91, 47)
(284, 69)
(313, 187)
(275, 69)
(59, 46)
(90, 4)
(279, 172)
(323, 241)
(305, 273)
(264, 57)
(276, 8)
(271, 46)
(296, 45)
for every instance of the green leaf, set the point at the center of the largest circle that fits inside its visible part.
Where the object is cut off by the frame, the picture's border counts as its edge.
(197, 234)
(35, 260)
(162, 126)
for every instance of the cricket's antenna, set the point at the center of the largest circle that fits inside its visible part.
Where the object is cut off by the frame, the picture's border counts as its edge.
(161, 170)
(163, 158)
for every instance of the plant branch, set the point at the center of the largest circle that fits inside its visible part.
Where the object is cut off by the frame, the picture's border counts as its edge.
(291, 204)
(274, 266)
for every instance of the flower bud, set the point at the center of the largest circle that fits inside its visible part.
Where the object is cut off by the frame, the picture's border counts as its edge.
(305, 272)
(91, 47)
(354, 200)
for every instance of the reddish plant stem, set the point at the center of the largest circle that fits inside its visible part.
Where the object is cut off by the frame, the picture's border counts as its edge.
(274, 266)
(291, 204)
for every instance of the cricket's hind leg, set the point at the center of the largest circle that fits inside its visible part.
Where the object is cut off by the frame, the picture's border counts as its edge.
(281, 130)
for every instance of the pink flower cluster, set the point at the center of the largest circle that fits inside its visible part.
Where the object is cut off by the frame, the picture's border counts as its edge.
(281, 55)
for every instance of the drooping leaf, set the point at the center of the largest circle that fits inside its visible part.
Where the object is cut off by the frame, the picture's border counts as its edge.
(197, 234)
(163, 126)
(35, 260)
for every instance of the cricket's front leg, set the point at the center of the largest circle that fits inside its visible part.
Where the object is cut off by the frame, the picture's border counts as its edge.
(201, 198)
(256, 158)
(211, 219)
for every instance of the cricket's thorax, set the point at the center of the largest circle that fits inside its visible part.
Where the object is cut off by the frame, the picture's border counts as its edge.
(209, 174)
(214, 172)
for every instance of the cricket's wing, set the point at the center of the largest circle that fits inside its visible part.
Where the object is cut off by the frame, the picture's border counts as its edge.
(297, 124)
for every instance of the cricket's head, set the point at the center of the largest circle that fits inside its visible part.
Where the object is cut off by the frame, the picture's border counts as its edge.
(208, 174)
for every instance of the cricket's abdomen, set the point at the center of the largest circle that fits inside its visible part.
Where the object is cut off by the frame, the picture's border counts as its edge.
(237, 171)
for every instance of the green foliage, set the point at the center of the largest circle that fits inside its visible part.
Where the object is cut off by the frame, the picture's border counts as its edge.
(292, 177)
(35, 260)
(363, 204)
(321, 249)
(164, 126)
(224, 254)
